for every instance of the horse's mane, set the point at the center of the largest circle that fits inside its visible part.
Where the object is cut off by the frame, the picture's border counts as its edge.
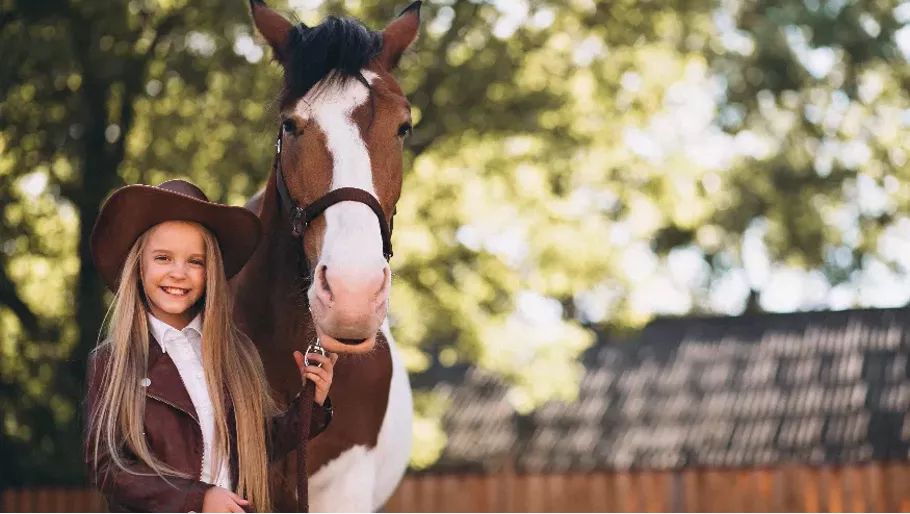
(341, 45)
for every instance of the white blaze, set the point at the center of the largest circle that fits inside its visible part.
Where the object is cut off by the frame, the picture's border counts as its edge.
(352, 238)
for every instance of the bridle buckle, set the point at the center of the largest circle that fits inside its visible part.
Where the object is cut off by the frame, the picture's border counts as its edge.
(298, 224)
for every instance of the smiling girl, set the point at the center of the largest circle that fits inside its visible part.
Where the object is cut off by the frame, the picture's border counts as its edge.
(179, 413)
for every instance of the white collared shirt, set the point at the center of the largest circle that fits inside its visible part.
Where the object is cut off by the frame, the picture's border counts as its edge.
(185, 348)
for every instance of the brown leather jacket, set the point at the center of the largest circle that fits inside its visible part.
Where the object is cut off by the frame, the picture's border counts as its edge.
(174, 437)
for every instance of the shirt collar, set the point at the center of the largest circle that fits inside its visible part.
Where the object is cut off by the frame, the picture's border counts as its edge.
(160, 329)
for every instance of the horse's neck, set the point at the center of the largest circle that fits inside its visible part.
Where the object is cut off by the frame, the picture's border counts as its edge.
(269, 299)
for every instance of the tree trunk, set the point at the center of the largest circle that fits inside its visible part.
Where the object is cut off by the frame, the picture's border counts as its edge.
(98, 177)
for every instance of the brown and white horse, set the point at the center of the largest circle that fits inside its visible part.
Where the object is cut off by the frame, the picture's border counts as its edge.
(324, 273)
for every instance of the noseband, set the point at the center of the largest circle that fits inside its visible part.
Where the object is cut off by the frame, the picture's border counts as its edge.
(301, 217)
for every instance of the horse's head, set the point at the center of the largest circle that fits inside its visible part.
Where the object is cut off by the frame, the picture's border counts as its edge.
(344, 121)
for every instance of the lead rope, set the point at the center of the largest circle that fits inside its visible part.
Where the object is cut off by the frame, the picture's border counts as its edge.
(305, 413)
(306, 409)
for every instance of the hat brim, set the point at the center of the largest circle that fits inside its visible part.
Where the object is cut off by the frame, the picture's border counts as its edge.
(132, 210)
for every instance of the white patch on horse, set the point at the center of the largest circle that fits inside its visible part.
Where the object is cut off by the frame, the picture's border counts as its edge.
(393, 448)
(352, 238)
(345, 484)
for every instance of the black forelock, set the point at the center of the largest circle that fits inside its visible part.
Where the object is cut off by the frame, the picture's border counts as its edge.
(341, 45)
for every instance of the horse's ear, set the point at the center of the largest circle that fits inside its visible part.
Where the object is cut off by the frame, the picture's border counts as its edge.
(273, 26)
(399, 35)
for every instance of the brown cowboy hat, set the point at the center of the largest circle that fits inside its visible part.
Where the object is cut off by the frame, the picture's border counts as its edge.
(132, 210)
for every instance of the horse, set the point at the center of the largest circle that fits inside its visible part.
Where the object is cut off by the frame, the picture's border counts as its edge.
(321, 270)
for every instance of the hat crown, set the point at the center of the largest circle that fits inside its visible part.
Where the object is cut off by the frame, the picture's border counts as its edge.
(183, 187)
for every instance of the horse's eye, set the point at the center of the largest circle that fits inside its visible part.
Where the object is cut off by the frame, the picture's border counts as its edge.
(289, 127)
(404, 130)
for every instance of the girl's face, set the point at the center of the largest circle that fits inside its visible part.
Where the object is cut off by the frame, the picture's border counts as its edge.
(173, 271)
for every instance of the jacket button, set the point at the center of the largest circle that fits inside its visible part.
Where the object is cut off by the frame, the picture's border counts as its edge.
(146, 382)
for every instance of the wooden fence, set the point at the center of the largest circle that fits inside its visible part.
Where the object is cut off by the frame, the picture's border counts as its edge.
(875, 488)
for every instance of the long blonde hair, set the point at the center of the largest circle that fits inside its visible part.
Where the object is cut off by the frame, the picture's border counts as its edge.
(229, 359)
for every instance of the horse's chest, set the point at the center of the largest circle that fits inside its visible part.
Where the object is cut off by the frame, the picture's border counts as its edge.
(360, 396)
(362, 477)
(393, 449)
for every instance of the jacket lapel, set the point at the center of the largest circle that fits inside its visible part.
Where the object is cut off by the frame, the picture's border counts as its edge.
(165, 383)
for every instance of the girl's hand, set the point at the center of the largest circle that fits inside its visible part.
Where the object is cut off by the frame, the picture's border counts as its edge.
(218, 499)
(321, 376)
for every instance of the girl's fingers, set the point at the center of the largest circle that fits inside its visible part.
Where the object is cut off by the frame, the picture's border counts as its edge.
(233, 507)
(326, 372)
(312, 357)
(322, 376)
(321, 359)
(327, 376)
(315, 377)
(319, 381)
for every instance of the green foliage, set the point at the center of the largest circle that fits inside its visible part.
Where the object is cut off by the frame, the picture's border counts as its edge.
(567, 159)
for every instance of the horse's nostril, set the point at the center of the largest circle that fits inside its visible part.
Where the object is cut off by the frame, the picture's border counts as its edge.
(386, 282)
(323, 278)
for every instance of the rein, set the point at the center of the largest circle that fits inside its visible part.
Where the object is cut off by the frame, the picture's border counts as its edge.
(300, 219)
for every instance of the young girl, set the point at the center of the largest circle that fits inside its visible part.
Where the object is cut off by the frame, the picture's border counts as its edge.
(179, 411)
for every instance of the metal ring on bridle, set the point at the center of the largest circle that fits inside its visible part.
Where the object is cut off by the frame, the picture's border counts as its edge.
(313, 348)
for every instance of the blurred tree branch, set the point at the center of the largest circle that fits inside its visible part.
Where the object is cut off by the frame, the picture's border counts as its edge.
(134, 81)
(10, 298)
